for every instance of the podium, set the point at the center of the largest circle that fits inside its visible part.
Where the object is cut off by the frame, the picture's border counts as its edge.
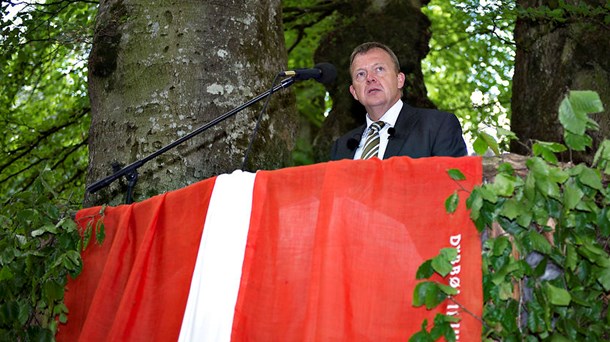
(311, 253)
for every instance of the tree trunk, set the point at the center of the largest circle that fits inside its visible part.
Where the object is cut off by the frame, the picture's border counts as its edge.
(159, 70)
(400, 25)
(553, 57)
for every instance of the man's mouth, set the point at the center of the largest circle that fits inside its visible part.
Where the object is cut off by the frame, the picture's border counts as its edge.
(373, 90)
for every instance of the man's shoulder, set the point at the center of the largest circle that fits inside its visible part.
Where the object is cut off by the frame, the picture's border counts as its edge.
(425, 111)
(353, 133)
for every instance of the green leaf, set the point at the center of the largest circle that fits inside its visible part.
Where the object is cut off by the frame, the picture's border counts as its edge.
(574, 108)
(511, 209)
(577, 142)
(442, 328)
(558, 296)
(591, 178)
(53, 291)
(425, 270)
(602, 157)
(480, 146)
(604, 278)
(571, 257)
(504, 185)
(44, 229)
(452, 202)
(510, 135)
(100, 232)
(485, 139)
(429, 294)
(538, 242)
(442, 262)
(500, 245)
(572, 195)
(572, 120)
(585, 101)
(456, 174)
(547, 150)
(6, 273)
(448, 290)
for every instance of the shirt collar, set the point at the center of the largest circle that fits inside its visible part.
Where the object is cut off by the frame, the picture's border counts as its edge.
(389, 117)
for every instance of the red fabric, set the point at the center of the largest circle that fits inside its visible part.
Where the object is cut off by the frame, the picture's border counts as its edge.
(135, 285)
(332, 251)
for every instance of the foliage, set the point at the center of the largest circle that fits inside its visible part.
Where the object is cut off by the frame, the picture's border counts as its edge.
(39, 247)
(546, 267)
(43, 94)
(469, 68)
(305, 22)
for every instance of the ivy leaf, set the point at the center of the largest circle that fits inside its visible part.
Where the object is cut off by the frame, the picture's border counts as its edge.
(558, 296)
(452, 202)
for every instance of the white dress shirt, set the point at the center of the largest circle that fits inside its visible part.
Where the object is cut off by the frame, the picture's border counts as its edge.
(389, 118)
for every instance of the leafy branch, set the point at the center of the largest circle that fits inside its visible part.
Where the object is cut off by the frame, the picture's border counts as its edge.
(546, 231)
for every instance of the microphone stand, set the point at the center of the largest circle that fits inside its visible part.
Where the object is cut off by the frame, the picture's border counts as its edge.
(131, 171)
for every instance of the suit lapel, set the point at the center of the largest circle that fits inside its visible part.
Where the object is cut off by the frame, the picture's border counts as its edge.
(345, 152)
(404, 124)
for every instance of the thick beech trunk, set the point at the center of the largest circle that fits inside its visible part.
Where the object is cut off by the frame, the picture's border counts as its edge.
(159, 70)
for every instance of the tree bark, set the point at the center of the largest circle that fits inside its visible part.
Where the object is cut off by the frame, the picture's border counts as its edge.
(400, 25)
(159, 70)
(553, 57)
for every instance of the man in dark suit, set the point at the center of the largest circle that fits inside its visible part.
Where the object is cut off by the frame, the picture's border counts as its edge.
(406, 131)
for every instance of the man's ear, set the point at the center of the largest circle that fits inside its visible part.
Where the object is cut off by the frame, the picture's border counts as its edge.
(353, 92)
(401, 80)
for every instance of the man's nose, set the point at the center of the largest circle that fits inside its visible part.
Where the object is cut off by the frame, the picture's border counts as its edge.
(370, 77)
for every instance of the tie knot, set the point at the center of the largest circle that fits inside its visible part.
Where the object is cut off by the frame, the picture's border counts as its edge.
(376, 127)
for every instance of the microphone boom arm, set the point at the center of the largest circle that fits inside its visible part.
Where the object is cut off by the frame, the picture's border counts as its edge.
(130, 170)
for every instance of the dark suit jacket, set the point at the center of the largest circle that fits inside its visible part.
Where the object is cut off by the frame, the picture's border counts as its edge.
(418, 133)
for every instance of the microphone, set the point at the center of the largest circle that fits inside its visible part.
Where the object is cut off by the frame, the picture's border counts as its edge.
(391, 132)
(353, 142)
(324, 73)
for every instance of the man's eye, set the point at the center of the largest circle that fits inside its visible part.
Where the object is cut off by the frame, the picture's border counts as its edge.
(360, 75)
(379, 69)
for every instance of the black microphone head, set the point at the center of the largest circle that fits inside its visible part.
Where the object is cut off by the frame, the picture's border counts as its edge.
(328, 73)
(352, 143)
(391, 132)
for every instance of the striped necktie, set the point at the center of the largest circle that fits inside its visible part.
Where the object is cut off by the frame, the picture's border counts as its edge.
(371, 146)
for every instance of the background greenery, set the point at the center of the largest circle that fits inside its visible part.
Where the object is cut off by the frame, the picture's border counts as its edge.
(44, 110)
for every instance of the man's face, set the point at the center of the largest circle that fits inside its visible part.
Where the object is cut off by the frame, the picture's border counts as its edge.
(375, 81)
